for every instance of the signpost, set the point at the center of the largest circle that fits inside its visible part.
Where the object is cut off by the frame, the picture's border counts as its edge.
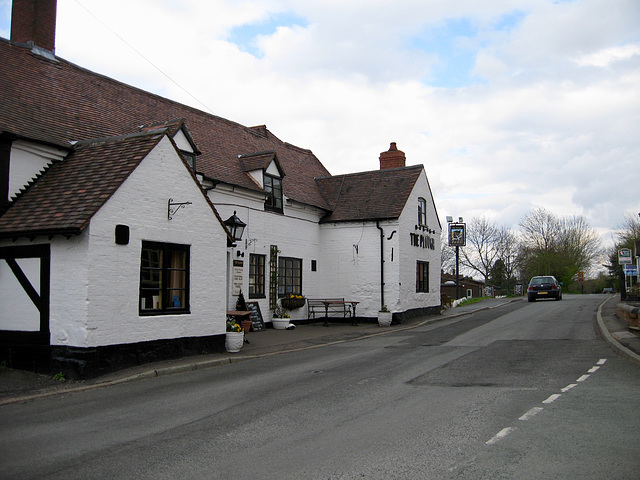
(624, 256)
(581, 281)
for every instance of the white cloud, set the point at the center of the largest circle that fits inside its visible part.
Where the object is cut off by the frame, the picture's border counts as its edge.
(550, 121)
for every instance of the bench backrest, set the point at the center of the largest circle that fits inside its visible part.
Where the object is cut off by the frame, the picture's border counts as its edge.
(319, 301)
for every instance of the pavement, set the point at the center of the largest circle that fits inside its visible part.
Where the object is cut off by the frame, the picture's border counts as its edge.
(18, 386)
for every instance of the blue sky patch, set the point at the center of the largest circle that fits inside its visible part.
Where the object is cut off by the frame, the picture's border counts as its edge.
(454, 43)
(244, 36)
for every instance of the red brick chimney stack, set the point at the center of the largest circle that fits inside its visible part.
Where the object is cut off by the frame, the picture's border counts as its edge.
(34, 21)
(393, 158)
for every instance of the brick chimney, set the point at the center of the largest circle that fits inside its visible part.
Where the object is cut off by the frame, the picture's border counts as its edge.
(393, 158)
(34, 21)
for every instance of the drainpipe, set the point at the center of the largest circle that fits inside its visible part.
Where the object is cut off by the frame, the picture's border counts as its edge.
(381, 263)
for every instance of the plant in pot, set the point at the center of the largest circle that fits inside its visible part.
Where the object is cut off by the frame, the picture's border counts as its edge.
(234, 338)
(384, 316)
(292, 302)
(280, 318)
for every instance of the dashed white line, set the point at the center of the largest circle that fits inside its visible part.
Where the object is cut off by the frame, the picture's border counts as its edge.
(552, 398)
(568, 387)
(500, 435)
(531, 413)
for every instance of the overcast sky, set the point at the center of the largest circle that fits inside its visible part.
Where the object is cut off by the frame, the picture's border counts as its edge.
(509, 104)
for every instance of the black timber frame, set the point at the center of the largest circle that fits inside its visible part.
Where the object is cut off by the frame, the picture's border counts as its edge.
(41, 300)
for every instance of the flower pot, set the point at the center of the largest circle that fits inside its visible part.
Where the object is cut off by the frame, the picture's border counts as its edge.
(280, 323)
(246, 325)
(233, 341)
(384, 318)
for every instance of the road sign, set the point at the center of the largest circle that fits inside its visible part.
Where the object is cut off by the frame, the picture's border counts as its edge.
(624, 256)
(631, 270)
(580, 276)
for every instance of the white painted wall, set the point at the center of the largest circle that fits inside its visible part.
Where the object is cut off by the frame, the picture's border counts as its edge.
(141, 203)
(95, 283)
(347, 253)
(410, 254)
(295, 233)
(17, 311)
(28, 159)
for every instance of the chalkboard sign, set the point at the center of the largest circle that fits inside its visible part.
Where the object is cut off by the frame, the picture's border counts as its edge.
(256, 316)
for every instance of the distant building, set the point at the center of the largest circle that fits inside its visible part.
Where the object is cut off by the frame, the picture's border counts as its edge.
(113, 247)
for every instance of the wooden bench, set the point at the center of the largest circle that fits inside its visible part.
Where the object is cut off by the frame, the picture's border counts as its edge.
(330, 307)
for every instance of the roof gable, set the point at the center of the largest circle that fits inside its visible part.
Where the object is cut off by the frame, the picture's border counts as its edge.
(71, 191)
(374, 195)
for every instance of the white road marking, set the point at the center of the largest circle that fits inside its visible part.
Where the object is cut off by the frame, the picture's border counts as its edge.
(583, 378)
(500, 435)
(593, 369)
(552, 398)
(602, 361)
(568, 387)
(531, 413)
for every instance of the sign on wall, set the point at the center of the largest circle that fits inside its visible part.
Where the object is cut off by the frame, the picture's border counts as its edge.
(238, 267)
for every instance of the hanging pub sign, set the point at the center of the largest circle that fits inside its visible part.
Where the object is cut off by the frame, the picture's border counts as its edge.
(624, 256)
(457, 234)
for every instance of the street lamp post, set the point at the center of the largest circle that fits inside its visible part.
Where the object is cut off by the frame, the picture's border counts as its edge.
(457, 238)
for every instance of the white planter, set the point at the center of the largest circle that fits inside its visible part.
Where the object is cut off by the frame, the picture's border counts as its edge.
(233, 341)
(280, 323)
(384, 318)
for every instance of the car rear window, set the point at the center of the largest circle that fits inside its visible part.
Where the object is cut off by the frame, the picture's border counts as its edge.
(541, 280)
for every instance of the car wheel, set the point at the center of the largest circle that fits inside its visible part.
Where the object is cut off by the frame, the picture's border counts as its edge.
(531, 299)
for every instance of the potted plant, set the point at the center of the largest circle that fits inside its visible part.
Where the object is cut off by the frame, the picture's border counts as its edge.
(292, 302)
(384, 316)
(280, 318)
(234, 338)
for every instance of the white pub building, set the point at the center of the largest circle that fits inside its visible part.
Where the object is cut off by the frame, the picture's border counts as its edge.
(116, 209)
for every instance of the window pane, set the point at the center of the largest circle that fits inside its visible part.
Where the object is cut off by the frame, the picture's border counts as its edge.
(151, 279)
(289, 276)
(164, 278)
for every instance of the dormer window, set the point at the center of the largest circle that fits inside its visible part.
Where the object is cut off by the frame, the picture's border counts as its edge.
(190, 158)
(422, 211)
(273, 187)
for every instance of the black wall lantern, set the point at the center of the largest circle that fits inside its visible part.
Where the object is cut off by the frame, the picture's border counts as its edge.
(235, 226)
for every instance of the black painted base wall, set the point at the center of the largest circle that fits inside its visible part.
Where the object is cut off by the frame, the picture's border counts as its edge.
(82, 363)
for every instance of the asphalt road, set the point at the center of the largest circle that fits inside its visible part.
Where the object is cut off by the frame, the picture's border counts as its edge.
(524, 391)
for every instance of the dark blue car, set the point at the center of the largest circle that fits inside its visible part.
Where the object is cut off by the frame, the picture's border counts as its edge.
(544, 287)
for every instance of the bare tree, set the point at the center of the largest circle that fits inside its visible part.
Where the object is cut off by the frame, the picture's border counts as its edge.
(447, 254)
(482, 249)
(508, 253)
(551, 245)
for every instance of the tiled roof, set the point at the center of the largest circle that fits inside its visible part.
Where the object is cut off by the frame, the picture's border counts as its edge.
(375, 195)
(71, 191)
(57, 102)
(257, 161)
